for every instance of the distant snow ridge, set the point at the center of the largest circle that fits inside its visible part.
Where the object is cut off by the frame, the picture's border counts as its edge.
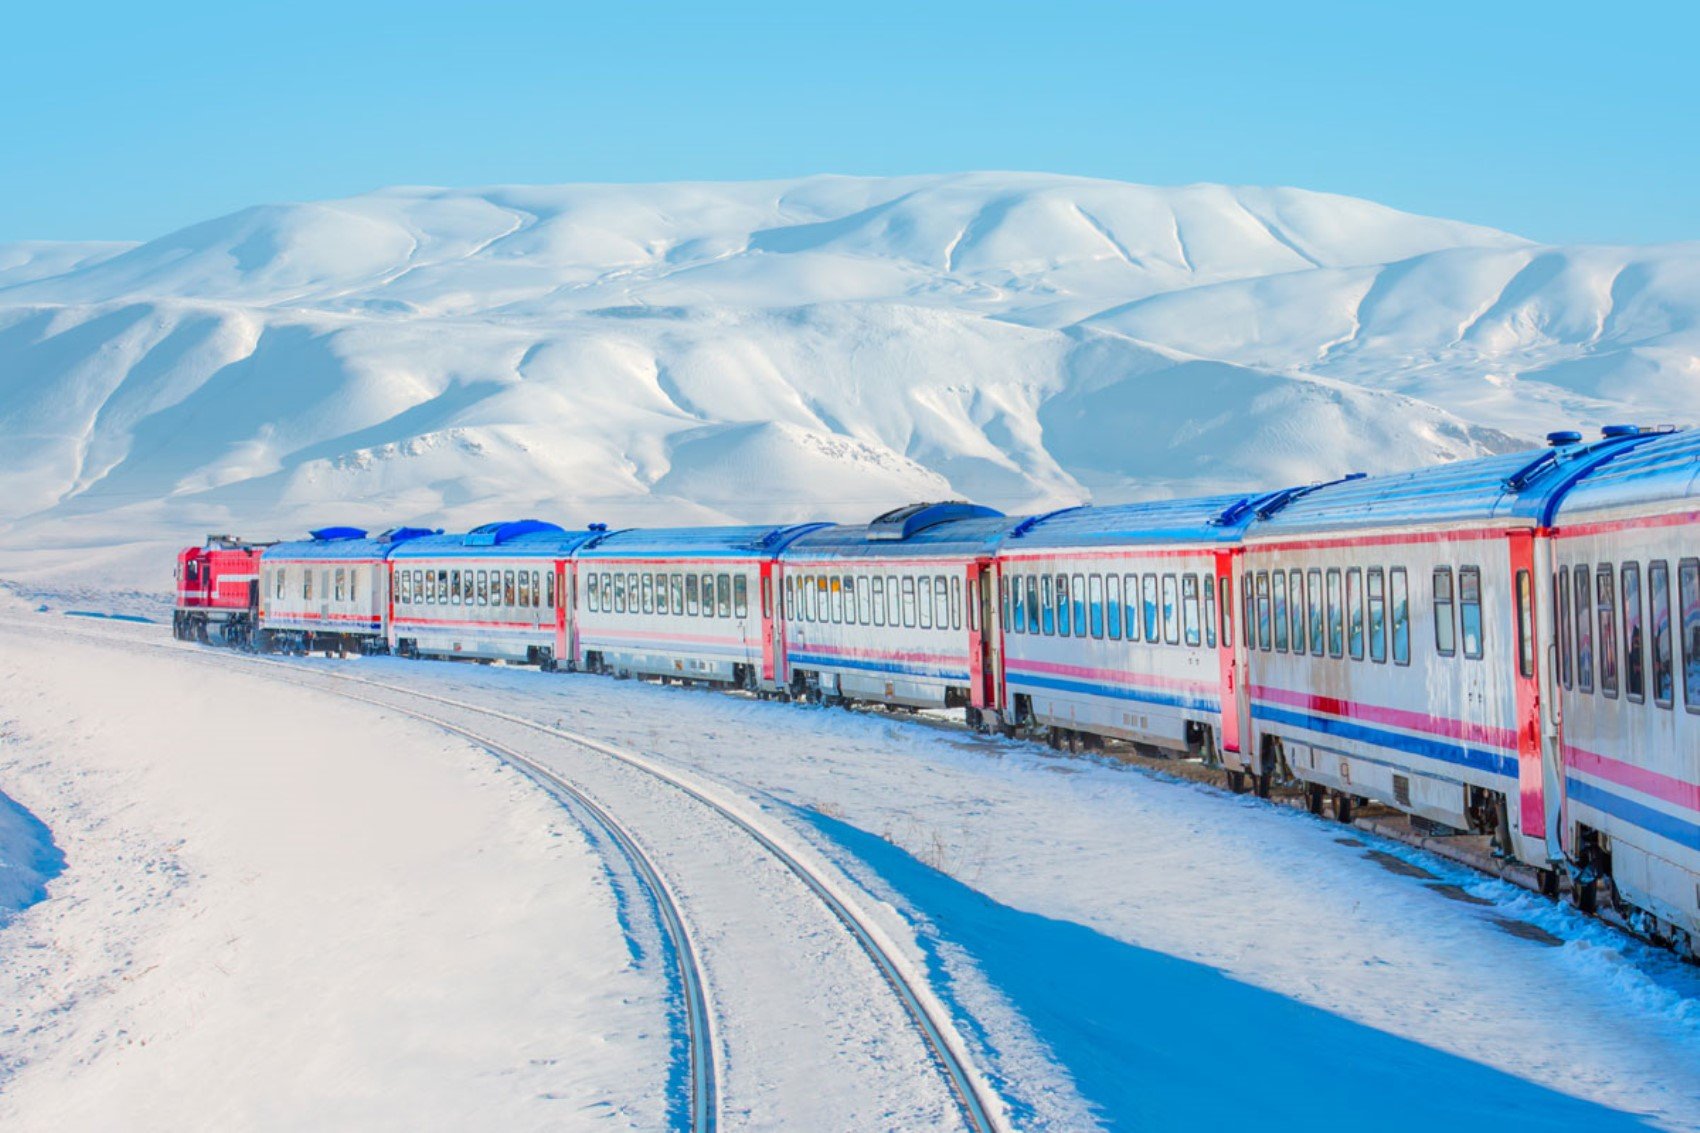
(829, 346)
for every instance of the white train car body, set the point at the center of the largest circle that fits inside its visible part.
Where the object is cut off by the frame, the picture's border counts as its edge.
(495, 593)
(691, 603)
(898, 611)
(1624, 588)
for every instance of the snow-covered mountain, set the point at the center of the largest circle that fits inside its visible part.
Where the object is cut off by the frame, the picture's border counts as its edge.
(829, 346)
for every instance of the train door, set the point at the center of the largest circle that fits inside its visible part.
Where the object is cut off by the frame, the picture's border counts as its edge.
(770, 644)
(774, 574)
(1236, 706)
(562, 575)
(985, 640)
(1527, 663)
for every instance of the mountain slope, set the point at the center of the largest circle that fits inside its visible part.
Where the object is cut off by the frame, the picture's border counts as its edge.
(827, 346)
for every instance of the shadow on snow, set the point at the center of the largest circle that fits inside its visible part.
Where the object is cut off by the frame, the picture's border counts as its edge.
(1156, 1042)
(28, 859)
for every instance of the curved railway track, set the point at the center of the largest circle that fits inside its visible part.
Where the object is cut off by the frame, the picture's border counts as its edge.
(980, 1109)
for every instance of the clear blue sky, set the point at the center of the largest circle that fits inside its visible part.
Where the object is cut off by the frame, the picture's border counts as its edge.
(1564, 122)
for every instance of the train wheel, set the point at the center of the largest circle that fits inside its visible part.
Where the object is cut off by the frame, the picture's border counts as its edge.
(1314, 796)
(1262, 783)
(1343, 807)
(1236, 782)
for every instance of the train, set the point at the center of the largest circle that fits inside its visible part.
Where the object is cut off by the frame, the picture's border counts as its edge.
(1506, 647)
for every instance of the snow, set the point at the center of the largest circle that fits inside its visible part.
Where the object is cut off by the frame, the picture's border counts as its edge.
(824, 347)
(278, 910)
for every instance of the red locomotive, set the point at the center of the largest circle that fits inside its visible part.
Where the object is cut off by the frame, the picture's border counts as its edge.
(218, 591)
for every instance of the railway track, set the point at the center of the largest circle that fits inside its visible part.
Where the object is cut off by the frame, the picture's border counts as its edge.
(980, 1110)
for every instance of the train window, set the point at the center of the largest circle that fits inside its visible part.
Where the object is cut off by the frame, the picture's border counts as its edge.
(549, 589)
(646, 593)
(1445, 630)
(1065, 626)
(1171, 610)
(893, 601)
(1584, 606)
(1248, 610)
(663, 605)
(341, 584)
(1014, 595)
(956, 605)
(1148, 599)
(1056, 605)
(1033, 607)
(1048, 620)
(1634, 644)
(1336, 614)
(740, 595)
(1227, 613)
(1296, 581)
(605, 600)
(714, 597)
(676, 584)
(723, 596)
(1561, 610)
(490, 588)
(1278, 609)
(1355, 613)
(909, 601)
(1376, 584)
(1263, 637)
(1095, 604)
(620, 593)
(508, 598)
(455, 584)
(924, 601)
(474, 587)
(1189, 609)
(851, 615)
(767, 597)
(1658, 613)
(788, 598)
(525, 591)
(1113, 606)
(1470, 611)
(839, 588)
(1688, 594)
(1605, 598)
(1078, 595)
(1209, 587)
(1399, 598)
(973, 595)
(1313, 602)
(279, 579)
(1130, 601)
(878, 587)
(864, 601)
(633, 592)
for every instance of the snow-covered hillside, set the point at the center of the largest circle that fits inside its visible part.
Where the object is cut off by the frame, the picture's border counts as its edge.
(828, 346)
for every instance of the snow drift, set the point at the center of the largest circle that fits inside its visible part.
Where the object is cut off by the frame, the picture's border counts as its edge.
(829, 346)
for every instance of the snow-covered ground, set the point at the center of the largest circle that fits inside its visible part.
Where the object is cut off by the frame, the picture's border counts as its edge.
(1117, 946)
(824, 347)
(280, 911)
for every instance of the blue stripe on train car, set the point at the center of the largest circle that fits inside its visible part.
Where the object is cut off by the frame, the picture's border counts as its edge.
(1667, 826)
(1477, 759)
(1116, 692)
(899, 667)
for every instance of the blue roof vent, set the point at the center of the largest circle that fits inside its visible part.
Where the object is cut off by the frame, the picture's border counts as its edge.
(1563, 437)
(901, 523)
(403, 534)
(493, 534)
(1611, 431)
(332, 534)
(597, 527)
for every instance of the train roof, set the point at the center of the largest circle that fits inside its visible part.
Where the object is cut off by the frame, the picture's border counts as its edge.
(738, 542)
(1202, 519)
(1664, 468)
(929, 529)
(521, 537)
(1510, 486)
(344, 543)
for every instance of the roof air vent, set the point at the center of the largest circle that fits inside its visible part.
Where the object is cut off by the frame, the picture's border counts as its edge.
(1563, 437)
(903, 522)
(1611, 431)
(331, 534)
